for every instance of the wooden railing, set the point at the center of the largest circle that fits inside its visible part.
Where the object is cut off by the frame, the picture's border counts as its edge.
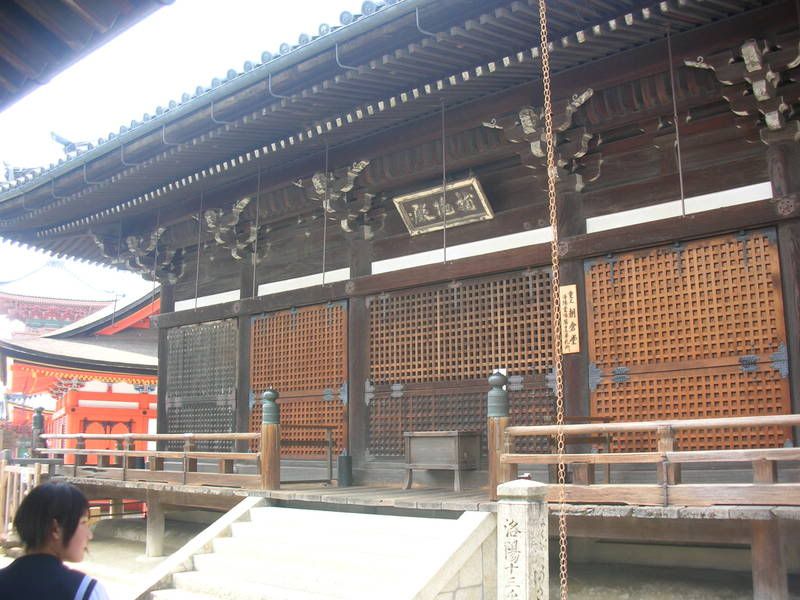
(15, 482)
(666, 460)
(130, 464)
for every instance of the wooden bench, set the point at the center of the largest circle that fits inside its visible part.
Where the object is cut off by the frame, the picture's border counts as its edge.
(448, 450)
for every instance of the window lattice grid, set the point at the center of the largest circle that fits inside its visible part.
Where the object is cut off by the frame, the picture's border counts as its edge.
(697, 394)
(308, 410)
(705, 300)
(453, 406)
(201, 380)
(463, 330)
(300, 349)
(303, 354)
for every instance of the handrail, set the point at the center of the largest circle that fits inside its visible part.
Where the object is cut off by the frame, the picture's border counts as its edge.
(152, 437)
(654, 426)
(668, 489)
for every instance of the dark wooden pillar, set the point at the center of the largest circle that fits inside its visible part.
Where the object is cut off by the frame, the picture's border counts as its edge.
(571, 222)
(247, 285)
(358, 353)
(167, 305)
(784, 169)
(768, 562)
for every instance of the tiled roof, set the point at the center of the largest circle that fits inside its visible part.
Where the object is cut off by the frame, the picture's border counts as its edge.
(282, 57)
(92, 350)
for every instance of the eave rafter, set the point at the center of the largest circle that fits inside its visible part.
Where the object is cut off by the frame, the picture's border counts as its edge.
(591, 43)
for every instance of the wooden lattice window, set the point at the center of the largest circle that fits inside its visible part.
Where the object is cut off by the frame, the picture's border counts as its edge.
(462, 330)
(302, 353)
(432, 349)
(448, 406)
(201, 380)
(690, 331)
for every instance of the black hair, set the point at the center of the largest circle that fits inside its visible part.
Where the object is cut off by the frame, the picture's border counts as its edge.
(60, 501)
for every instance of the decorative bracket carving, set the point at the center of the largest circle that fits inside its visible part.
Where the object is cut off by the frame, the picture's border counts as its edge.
(240, 240)
(761, 83)
(355, 209)
(576, 163)
(146, 255)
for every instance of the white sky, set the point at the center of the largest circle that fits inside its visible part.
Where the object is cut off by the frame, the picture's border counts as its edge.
(171, 52)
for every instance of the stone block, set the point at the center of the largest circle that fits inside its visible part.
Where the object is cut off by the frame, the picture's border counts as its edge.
(452, 585)
(472, 572)
(489, 559)
(470, 593)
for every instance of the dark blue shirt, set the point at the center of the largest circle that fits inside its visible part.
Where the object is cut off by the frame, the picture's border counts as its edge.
(40, 576)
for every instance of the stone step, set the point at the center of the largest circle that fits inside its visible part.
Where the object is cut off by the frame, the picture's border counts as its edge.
(309, 547)
(232, 588)
(291, 516)
(356, 577)
(173, 594)
(333, 533)
(274, 523)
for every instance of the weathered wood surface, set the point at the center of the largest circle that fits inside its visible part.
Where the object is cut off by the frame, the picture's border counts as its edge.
(639, 426)
(15, 482)
(768, 562)
(148, 437)
(787, 494)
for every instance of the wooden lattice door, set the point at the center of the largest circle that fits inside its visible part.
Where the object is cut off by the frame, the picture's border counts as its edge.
(432, 349)
(201, 381)
(302, 353)
(692, 330)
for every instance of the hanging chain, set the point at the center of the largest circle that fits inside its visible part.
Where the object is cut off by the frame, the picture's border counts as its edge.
(559, 370)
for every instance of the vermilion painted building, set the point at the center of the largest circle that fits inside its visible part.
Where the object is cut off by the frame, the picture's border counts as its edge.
(101, 371)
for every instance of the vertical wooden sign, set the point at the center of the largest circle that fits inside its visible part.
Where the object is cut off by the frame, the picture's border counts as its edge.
(570, 333)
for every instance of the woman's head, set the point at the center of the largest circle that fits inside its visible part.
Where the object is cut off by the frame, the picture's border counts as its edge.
(53, 518)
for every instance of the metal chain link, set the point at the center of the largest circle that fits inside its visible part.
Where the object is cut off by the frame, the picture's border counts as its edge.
(558, 365)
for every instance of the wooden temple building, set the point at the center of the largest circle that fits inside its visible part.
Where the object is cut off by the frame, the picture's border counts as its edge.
(678, 168)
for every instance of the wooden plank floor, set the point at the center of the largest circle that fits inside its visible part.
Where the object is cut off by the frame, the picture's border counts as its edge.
(430, 499)
(392, 497)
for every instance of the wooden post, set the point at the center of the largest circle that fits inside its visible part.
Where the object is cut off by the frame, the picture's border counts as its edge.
(80, 444)
(497, 421)
(522, 541)
(154, 544)
(768, 563)
(667, 474)
(37, 430)
(270, 441)
(765, 471)
(118, 460)
(167, 305)
(189, 464)
(358, 355)
(247, 289)
(783, 166)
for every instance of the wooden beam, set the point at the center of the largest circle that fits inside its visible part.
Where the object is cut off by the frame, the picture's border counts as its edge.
(643, 235)
(167, 306)
(358, 349)
(242, 411)
(768, 562)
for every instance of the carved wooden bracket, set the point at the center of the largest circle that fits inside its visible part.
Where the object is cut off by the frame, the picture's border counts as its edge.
(355, 209)
(146, 255)
(576, 161)
(239, 238)
(761, 83)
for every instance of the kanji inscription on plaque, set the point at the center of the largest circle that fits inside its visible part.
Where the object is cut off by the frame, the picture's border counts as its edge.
(570, 331)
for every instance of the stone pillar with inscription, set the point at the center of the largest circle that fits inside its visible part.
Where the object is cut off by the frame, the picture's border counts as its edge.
(522, 538)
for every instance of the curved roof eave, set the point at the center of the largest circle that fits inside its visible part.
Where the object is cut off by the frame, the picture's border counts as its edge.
(227, 88)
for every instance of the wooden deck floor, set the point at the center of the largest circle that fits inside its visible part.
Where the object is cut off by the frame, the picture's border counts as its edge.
(424, 499)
